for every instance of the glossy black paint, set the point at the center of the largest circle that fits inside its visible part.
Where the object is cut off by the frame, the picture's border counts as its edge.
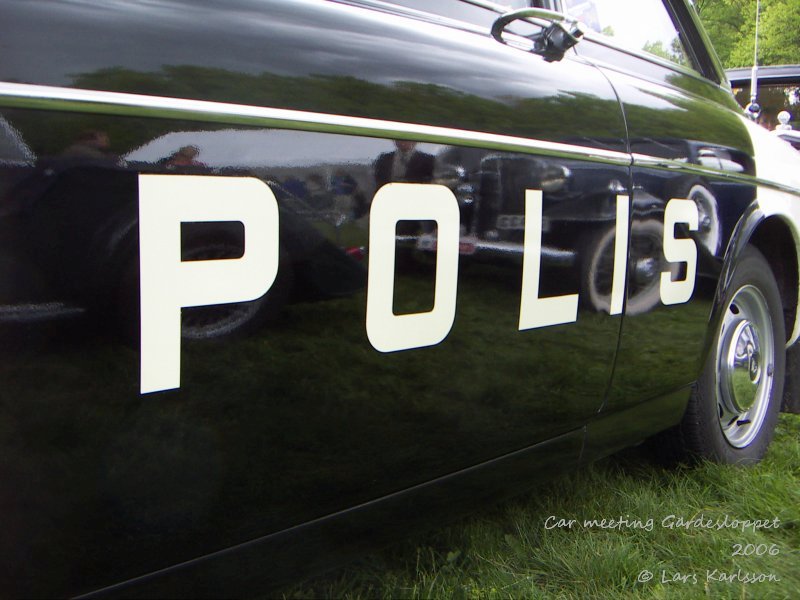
(332, 539)
(357, 62)
(672, 115)
(290, 419)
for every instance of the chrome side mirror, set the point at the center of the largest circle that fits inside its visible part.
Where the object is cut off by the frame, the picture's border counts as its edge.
(558, 34)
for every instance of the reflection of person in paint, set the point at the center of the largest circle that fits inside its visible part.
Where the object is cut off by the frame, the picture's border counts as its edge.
(92, 145)
(184, 157)
(405, 164)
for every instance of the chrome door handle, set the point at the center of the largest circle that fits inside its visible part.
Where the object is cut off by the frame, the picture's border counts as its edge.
(559, 32)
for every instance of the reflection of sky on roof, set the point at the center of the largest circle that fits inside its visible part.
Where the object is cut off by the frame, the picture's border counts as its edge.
(249, 36)
(641, 96)
(638, 93)
(269, 148)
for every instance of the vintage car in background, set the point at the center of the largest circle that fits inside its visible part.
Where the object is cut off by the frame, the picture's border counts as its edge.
(777, 96)
(279, 278)
(791, 136)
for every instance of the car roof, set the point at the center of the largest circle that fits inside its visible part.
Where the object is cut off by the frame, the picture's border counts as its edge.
(787, 74)
(790, 134)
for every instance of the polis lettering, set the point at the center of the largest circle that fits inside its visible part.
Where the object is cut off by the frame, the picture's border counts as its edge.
(169, 284)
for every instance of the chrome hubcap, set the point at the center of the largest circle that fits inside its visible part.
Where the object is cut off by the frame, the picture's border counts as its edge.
(745, 358)
(743, 366)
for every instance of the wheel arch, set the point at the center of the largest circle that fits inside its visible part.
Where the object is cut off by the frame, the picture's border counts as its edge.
(772, 225)
(778, 242)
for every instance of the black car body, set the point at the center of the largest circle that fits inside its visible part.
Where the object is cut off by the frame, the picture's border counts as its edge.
(278, 277)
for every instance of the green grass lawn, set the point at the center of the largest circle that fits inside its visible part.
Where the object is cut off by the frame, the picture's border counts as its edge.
(511, 551)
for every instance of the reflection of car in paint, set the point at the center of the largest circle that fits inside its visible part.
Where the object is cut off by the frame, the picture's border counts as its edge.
(72, 263)
(493, 220)
(593, 248)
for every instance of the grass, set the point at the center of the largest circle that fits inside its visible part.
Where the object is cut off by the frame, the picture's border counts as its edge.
(509, 552)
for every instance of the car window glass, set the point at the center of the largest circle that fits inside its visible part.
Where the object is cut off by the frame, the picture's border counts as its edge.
(641, 25)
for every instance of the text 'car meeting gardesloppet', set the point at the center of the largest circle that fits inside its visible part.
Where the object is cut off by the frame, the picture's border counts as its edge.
(279, 278)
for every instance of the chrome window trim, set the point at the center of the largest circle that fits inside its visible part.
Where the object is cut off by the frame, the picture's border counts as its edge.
(716, 63)
(38, 97)
(17, 95)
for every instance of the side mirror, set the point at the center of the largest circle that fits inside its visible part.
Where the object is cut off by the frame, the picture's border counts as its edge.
(558, 34)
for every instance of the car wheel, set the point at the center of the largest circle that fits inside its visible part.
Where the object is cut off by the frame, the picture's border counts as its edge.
(735, 403)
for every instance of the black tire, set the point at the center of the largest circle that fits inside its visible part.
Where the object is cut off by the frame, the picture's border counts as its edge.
(733, 411)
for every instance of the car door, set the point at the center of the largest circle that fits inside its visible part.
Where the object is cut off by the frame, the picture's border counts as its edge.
(275, 260)
(688, 141)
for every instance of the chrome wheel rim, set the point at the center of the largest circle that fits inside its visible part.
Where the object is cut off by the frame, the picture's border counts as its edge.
(745, 365)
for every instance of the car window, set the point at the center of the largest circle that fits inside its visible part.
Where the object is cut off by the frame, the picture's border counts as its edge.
(641, 25)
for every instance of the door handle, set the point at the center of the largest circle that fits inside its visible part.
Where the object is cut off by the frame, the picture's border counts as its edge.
(559, 32)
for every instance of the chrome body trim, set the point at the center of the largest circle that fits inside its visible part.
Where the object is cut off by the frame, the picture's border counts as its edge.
(653, 162)
(15, 95)
(18, 95)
